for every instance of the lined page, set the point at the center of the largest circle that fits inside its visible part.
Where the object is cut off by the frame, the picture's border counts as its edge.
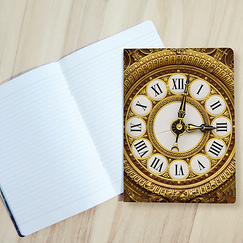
(95, 77)
(49, 167)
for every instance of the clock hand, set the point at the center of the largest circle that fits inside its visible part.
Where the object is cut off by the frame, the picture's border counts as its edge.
(175, 146)
(178, 127)
(191, 127)
(182, 110)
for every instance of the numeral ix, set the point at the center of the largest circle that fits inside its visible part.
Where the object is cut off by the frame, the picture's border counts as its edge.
(136, 127)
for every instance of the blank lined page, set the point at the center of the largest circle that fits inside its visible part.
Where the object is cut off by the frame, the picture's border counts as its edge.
(95, 77)
(49, 167)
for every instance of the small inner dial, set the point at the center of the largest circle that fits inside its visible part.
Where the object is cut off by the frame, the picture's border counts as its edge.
(167, 119)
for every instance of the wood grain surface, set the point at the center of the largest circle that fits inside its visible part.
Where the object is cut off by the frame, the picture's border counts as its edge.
(36, 32)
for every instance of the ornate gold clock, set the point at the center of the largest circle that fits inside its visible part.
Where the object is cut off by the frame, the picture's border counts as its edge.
(179, 132)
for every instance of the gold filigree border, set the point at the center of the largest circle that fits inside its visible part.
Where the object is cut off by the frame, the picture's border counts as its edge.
(219, 181)
(187, 57)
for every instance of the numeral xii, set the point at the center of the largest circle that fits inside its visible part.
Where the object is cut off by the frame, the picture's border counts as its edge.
(178, 83)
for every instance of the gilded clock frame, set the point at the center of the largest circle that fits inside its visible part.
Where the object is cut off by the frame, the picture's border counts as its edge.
(142, 188)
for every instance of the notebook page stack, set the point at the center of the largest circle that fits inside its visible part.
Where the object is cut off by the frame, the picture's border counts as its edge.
(61, 146)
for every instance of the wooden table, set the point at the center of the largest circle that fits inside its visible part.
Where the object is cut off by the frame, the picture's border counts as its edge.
(36, 32)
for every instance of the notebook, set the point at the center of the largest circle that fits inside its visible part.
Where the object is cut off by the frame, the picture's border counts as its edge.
(61, 132)
(179, 133)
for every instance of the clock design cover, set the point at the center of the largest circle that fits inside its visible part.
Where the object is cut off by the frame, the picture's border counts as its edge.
(179, 130)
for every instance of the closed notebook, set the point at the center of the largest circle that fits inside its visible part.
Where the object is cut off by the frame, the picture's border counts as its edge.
(179, 125)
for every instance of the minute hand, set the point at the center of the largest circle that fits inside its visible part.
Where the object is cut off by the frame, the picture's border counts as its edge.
(182, 110)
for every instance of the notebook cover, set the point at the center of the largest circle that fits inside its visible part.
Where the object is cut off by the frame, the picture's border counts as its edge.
(179, 125)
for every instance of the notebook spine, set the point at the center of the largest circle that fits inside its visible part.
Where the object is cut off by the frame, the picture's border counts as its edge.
(10, 213)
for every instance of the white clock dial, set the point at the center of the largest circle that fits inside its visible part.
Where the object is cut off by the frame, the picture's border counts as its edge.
(179, 169)
(156, 89)
(157, 164)
(135, 127)
(162, 127)
(199, 89)
(215, 105)
(141, 148)
(177, 83)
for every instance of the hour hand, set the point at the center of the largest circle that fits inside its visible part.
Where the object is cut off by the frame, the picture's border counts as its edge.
(191, 127)
(182, 110)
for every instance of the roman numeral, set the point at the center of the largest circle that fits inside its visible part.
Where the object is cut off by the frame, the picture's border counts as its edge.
(215, 105)
(141, 148)
(179, 171)
(215, 148)
(199, 90)
(157, 90)
(200, 165)
(156, 163)
(136, 127)
(178, 83)
(140, 105)
(221, 126)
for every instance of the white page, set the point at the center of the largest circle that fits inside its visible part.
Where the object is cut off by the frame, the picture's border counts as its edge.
(49, 167)
(42, 183)
(95, 77)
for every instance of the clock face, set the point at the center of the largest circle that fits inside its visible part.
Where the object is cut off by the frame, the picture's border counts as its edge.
(179, 142)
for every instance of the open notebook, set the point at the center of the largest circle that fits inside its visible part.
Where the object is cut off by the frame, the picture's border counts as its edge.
(61, 146)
